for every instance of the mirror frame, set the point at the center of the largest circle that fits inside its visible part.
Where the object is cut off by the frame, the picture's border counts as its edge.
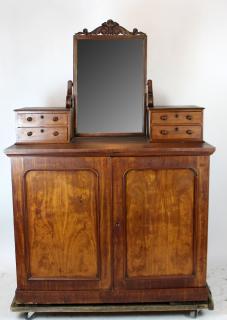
(109, 30)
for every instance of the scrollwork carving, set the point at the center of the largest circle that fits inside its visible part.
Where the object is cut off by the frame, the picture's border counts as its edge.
(110, 28)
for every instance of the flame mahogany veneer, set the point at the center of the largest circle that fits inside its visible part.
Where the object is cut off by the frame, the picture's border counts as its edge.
(104, 220)
(110, 220)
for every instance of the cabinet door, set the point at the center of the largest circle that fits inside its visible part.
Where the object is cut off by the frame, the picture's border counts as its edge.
(160, 216)
(66, 222)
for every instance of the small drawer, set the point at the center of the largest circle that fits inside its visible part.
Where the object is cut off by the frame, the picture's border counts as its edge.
(176, 133)
(41, 119)
(42, 135)
(177, 117)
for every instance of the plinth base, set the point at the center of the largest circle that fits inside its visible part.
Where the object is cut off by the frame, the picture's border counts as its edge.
(192, 307)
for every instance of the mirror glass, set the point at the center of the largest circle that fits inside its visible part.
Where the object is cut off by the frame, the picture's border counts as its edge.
(110, 86)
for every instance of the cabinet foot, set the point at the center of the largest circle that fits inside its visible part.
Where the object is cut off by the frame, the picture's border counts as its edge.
(30, 315)
(194, 314)
(210, 301)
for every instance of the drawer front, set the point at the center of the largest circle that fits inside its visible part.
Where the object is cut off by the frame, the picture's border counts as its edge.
(176, 117)
(176, 133)
(41, 119)
(42, 135)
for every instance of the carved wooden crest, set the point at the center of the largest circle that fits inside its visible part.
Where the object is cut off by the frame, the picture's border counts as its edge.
(110, 28)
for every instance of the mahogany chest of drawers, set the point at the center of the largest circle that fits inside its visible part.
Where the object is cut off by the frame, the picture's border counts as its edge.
(176, 123)
(43, 125)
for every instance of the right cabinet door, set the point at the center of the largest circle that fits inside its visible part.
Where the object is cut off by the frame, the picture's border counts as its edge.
(160, 219)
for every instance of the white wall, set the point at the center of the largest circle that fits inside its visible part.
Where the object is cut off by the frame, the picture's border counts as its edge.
(187, 60)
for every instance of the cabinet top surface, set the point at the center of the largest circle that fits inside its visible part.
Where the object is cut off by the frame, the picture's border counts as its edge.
(41, 109)
(112, 146)
(187, 107)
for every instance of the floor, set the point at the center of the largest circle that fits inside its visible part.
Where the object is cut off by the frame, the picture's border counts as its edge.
(217, 279)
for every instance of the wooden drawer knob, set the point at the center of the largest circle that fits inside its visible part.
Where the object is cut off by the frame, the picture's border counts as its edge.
(42, 117)
(164, 132)
(55, 133)
(189, 117)
(189, 132)
(29, 118)
(164, 117)
(55, 118)
(29, 133)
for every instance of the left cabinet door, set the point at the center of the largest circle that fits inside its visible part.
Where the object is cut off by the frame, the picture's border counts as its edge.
(62, 222)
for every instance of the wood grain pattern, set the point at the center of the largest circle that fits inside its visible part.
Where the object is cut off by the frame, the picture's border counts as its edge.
(110, 220)
(116, 284)
(113, 146)
(21, 166)
(43, 125)
(62, 223)
(186, 194)
(176, 116)
(42, 135)
(113, 296)
(159, 218)
(161, 133)
(175, 123)
(42, 119)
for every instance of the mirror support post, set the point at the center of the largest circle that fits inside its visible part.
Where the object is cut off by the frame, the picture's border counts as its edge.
(69, 96)
(150, 99)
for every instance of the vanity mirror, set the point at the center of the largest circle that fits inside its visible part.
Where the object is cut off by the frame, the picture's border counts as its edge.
(110, 224)
(110, 80)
